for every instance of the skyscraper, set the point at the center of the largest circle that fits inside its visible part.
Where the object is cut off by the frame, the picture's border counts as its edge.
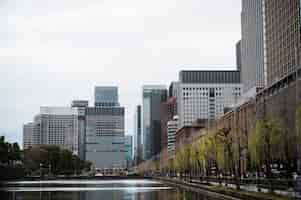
(282, 38)
(105, 141)
(138, 136)
(205, 94)
(55, 126)
(81, 105)
(106, 96)
(238, 55)
(153, 96)
(172, 127)
(252, 45)
(30, 135)
(168, 111)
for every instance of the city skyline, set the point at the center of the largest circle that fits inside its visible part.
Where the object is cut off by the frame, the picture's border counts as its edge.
(164, 41)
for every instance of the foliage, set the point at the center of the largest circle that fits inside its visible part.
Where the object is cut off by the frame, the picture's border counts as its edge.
(10, 160)
(53, 159)
(9, 153)
(267, 143)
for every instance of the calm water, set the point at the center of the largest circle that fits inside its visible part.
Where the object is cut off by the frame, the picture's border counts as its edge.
(96, 190)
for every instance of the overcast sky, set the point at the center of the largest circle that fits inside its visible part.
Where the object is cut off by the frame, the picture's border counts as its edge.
(54, 51)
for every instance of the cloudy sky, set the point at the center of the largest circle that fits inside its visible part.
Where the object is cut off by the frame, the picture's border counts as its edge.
(52, 52)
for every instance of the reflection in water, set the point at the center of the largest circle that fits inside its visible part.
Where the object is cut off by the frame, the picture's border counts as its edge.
(96, 190)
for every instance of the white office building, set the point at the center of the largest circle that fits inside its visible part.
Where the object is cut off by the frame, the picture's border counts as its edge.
(31, 136)
(172, 127)
(206, 94)
(55, 126)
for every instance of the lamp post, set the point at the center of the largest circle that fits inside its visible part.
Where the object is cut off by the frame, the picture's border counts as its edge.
(41, 170)
(49, 168)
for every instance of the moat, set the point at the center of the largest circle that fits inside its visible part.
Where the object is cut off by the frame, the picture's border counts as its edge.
(96, 190)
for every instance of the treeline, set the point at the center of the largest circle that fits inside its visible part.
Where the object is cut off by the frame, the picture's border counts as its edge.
(42, 160)
(52, 160)
(10, 160)
(267, 148)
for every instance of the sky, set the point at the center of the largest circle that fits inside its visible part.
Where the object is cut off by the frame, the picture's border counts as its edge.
(52, 52)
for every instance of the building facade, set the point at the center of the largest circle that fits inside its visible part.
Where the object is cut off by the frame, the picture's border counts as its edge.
(105, 141)
(81, 106)
(153, 96)
(206, 94)
(30, 135)
(168, 111)
(138, 136)
(172, 127)
(106, 96)
(282, 38)
(106, 152)
(252, 45)
(58, 126)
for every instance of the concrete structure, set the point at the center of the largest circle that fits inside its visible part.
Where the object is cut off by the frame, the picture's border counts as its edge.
(172, 127)
(105, 141)
(57, 126)
(239, 122)
(128, 145)
(105, 121)
(106, 96)
(205, 94)
(106, 152)
(283, 38)
(153, 96)
(168, 111)
(138, 136)
(105, 136)
(238, 56)
(252, 45)
(187, 135)
(31, 136)
(81, 106)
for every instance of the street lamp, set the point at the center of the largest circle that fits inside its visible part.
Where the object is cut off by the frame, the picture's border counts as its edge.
(49, 172)
(41, 170)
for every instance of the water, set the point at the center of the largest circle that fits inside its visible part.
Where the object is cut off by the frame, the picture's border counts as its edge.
(95, 190)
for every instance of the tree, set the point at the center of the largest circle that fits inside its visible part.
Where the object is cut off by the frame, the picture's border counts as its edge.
(267, 144)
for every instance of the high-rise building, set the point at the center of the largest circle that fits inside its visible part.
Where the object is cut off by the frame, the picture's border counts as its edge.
(105, 130)
(31, 136)
(238, 56)
(128, 143)
(172, 127)
(58, 126)
(282, 28)
(106, 96)
(252, 45)
(106, 152)
(168, 111)
(81, 106)
(153, 96)
(205, 94)
(138, 136)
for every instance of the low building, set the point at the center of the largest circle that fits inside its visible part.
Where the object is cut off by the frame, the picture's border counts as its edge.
(239, 121)
(186, 135)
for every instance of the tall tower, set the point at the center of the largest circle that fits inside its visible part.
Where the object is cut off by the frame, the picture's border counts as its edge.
(153, 96)
(252, 45)
(105, 141)
(283, 38)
